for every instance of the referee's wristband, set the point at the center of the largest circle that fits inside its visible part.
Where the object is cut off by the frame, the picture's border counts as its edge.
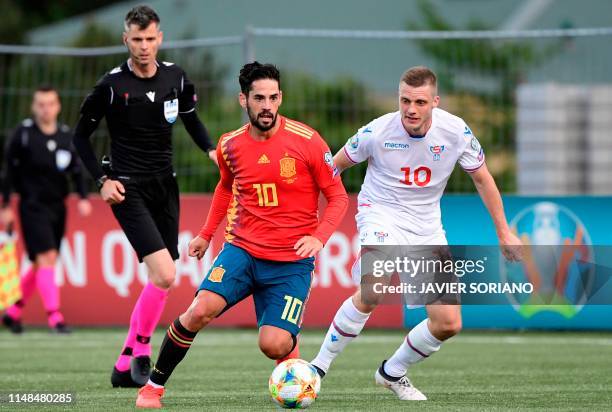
(100, 181)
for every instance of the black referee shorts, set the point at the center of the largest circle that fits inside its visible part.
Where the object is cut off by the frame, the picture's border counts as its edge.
(149, 215)
(42, 226)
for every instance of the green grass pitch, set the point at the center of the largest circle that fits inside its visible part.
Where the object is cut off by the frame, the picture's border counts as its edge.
(224, 371)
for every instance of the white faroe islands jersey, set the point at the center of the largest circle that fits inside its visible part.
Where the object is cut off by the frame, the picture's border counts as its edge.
(406, 175)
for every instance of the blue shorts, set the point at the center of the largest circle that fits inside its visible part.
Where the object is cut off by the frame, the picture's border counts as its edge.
(280, 289)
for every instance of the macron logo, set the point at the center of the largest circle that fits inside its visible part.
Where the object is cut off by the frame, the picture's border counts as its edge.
(396, 146)
(151, 96)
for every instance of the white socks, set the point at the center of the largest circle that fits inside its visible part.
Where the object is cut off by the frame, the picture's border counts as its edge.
(346, 326)
(418, 345)
(153, 384)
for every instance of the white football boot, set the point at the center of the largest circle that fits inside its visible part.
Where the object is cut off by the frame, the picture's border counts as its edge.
(402, 388)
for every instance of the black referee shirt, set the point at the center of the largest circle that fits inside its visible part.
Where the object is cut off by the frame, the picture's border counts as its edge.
(36, 165)
(140, 113)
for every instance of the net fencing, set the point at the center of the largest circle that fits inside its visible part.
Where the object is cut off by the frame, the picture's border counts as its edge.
(514, 89)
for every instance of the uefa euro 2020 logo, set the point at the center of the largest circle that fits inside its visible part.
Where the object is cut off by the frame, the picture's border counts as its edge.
(557, 260)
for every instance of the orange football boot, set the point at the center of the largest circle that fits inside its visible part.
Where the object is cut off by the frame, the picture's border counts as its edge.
(149, 397)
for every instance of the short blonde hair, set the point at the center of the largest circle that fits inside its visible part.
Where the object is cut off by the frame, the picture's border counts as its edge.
(419, 76)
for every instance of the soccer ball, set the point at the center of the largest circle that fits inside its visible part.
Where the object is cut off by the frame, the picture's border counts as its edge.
(294, 384)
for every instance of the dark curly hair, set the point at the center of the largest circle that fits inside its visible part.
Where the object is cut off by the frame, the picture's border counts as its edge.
(256, 71)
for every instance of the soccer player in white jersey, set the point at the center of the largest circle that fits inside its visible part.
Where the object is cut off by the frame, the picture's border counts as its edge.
(411, 154)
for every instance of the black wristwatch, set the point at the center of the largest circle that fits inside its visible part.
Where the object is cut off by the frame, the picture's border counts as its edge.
(100, 181)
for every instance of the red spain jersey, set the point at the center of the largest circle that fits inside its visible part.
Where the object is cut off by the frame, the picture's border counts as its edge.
(275, 186)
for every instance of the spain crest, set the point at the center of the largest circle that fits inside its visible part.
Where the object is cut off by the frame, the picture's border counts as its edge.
(216, 275)
(287, 167)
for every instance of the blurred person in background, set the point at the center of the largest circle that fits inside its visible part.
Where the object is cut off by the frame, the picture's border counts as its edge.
(38, 158)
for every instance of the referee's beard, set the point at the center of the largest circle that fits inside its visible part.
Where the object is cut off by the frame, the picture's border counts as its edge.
(255, 119)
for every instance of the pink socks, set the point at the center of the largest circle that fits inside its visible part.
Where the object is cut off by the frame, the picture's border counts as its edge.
(150, 307)
(49, 292)
(28, 285)
(123, 362)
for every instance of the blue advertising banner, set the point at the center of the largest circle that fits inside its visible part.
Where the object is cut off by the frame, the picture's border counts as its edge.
(581, 230)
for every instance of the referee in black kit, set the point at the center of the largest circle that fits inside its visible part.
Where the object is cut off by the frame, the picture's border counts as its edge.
(141, 100)
(38, 159)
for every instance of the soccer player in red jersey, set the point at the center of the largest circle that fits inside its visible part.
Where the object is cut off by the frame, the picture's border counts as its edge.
(272, 172)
